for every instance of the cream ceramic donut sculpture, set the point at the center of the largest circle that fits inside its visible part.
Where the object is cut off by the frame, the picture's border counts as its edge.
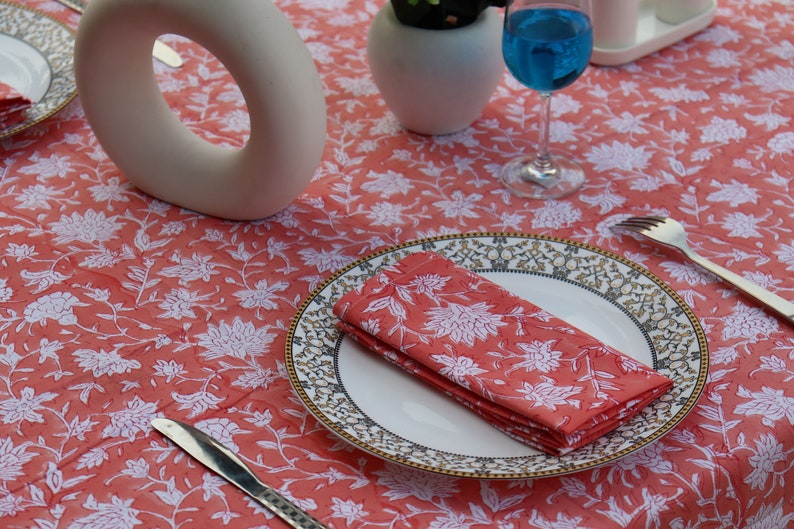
(156, 151)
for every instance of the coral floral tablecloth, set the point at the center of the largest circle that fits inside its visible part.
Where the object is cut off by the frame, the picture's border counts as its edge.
(116, 307)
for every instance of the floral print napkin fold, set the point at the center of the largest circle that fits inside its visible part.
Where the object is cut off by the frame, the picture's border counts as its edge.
(523, 370)
(12, 106)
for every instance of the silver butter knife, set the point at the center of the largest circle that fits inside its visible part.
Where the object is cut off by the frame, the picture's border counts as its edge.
(226, 464)
(161, 51)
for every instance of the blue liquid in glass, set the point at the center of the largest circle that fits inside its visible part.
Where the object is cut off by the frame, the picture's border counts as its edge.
(548, 48)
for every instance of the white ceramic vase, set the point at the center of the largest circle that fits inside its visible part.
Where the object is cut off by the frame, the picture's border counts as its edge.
(436, 81)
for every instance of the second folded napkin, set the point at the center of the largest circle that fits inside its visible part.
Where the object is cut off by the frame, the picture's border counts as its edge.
(523, 370)
(13, 106)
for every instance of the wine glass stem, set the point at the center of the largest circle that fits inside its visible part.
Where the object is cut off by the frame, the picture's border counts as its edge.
(543, 159)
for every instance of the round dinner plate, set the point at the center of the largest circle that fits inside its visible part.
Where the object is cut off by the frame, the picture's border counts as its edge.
(37, 59)
(380, 409)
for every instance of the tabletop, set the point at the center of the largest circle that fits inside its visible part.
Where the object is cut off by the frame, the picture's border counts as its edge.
(118, 307)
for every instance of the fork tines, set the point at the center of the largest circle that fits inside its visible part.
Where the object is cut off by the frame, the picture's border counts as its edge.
(640, 222)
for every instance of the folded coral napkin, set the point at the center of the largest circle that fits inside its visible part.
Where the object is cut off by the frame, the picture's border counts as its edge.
(12, 106)
(525, 371)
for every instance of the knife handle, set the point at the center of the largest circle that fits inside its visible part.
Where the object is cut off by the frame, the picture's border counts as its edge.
(75, 5)
(166, 54)
(161, 51)
(290, 513)
(783, 307)
(239, 474)
(242, 477)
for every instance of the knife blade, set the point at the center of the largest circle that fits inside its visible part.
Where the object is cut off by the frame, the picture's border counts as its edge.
(226, 464)
(161, 51)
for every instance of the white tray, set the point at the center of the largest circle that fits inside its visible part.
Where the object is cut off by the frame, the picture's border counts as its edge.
(652, 35)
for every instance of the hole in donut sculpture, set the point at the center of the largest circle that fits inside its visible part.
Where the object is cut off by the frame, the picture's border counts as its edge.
(216, 111)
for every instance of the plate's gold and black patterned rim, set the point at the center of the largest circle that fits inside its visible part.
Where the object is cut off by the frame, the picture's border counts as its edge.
(671, 330)
(55, 42)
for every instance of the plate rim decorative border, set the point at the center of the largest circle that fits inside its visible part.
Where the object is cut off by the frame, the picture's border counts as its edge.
(60, 72)
(669, 425)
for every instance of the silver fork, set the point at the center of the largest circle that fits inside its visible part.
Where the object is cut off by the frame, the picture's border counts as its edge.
(669, 232)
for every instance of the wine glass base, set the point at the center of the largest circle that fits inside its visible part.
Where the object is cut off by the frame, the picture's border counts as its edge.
(522, 177)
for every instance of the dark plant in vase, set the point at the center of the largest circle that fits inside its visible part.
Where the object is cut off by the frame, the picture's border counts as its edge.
(441, 14)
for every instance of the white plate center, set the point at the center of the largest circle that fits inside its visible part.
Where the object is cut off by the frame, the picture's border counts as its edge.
(24, 68)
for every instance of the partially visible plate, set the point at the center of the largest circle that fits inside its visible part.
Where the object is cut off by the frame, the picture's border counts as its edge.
(382, 410)
(36, 58)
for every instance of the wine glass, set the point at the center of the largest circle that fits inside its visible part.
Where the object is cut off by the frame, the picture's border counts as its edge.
(546, 45)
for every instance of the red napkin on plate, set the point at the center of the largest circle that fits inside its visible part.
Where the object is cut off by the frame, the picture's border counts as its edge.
(12, 106)
(525, 371)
